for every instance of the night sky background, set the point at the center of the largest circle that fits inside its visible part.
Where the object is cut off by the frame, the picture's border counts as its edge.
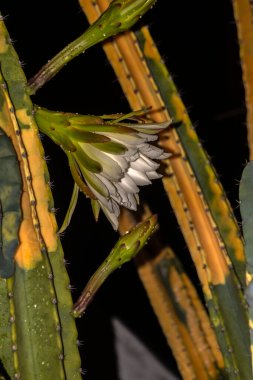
(198, 42)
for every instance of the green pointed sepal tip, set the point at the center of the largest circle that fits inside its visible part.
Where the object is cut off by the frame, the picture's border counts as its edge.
(95, 208)
(124, 250)
(71, 209)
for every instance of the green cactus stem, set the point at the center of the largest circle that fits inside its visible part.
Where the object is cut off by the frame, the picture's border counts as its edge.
(120, 16)
(40, 322)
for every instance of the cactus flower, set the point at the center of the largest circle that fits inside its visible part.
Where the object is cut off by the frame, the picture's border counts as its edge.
(109, 160)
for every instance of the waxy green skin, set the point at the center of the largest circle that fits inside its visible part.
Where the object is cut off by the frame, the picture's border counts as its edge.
(119, 16)
(41, 301)
(231, 327)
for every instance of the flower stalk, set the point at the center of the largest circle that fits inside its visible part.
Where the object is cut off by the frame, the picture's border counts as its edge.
(125, 249)
(120, 16)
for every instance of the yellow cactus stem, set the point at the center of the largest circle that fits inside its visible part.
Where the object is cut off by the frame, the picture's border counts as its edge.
(179, 310)
(244, 23)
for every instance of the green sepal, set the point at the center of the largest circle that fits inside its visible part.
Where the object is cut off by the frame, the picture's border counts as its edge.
(71, 209)
(95, 208)
(107, 127)
(111, 147)
(84, 160)
(74, 169)
(87, 137)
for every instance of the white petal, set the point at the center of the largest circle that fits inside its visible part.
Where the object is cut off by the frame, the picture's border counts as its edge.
(131, 151)
(106, 202)
(156, 128)
(138, 177)
(122, 160)
(94, 182)
(128, 184)
(151, 151)
(153, 175)
(111, 188)
(142, 165)
(165, 155)
(134, 156)
(154, 165)
(112, 217)
(148, 137)
(132, 202)
(123, 195)
(137, 198)
(111, 169)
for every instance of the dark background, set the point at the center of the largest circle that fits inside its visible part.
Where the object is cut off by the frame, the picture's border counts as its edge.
(199, 45)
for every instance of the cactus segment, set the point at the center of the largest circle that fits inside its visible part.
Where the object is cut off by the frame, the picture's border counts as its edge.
(120, 16)
(41, 285)
(244, 17)
(246, 201)
(218, 205)
(10, 211)
(124, 250)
